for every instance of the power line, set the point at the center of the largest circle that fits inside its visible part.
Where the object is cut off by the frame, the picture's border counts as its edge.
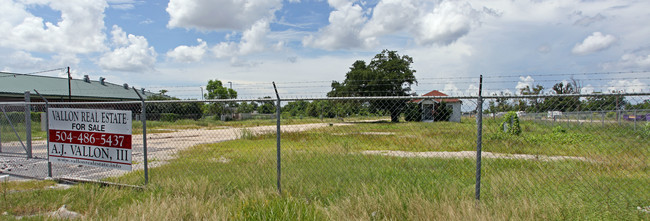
(38, 72)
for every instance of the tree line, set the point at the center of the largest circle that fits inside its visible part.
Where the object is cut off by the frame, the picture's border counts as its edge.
(605, 102)
(387, 74)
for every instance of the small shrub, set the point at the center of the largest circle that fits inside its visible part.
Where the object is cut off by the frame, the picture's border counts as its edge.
(443, 112)
(413, 112)
(509, 119)
(559, 129)
(169, 117)
(36, 116)
(246, 134)
(14, 117)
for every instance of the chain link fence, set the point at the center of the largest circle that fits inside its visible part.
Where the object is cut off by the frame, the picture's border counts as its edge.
(586, 153)
(13, 129)
(589, 153)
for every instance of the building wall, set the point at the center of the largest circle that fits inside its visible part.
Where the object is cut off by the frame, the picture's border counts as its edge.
(455, 116)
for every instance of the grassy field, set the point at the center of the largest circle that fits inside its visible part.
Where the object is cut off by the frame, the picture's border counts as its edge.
(8, 135)
(325, 177)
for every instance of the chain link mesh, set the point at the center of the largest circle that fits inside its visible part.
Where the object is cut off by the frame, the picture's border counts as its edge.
(585, 153)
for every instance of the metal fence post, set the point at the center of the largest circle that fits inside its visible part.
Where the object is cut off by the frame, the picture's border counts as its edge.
(143, 118)
(635, 120)
(479, 133)
(47, 132)
(568, 121)
(553, 119)
(0, 136)
(28, 125)
(278, 133)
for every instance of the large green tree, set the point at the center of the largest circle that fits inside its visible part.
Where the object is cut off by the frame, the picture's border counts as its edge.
(266, 107)
(172, 111)
(216, 90)
(605, 102)
(500, 104)
(387, 74)
(564, 103)
(534, 103)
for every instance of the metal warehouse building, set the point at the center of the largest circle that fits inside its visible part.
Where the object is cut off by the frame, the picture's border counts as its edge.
(13, 87)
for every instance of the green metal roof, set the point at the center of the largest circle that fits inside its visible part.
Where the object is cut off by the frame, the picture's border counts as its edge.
(14, 85)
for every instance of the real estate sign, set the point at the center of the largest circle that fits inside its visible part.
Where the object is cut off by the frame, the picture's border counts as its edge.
(92, 137)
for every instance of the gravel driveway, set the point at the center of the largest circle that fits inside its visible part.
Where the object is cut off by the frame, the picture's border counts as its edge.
(160, 146)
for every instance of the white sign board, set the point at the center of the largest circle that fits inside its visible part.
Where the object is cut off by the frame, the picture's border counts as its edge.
(92, 137)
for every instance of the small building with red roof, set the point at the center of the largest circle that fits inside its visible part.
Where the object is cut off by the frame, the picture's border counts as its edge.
(428, 106)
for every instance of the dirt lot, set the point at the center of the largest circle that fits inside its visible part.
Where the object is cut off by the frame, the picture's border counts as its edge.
(160, 146)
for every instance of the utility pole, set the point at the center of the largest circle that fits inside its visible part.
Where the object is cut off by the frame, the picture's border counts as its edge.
(69, 87)
(230, 95)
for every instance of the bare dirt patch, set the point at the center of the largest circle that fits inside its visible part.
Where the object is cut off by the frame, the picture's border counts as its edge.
(161, 148)
(471, 154)
(365, 133)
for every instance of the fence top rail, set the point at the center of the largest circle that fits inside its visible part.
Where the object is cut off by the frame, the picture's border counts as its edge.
(332, 98)
(67, 103)
(563, 95)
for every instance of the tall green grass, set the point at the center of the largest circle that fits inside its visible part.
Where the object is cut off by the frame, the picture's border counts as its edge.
(326, 177)
(8, 134)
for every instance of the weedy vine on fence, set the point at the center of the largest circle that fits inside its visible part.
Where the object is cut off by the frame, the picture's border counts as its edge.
(510, 123)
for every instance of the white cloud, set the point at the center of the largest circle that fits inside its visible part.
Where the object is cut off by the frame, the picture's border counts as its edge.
(188, 54)
(350, 26)
(544, 49)
(450, 89)
(132, 53)
(253, 40)
(75, 74)
(587, 20)
(66, 59)
(79, 29)
(498, 92)
(448, 22)
(594, 43)
(391, 16)
(225, 49)
(627, 86)
(22, 59)
(337, 4)
(524, 82)
(345, 24)
(123, 6)
(472, 90)
(635, 60)
(147, 21)
(119, 37)
(219, 14)
(587, 89)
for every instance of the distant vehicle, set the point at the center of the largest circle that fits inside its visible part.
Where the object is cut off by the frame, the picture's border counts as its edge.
(552, 114)
(521, 113)
(645, 117)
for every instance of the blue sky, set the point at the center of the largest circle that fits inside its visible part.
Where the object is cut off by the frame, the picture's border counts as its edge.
(179, 45)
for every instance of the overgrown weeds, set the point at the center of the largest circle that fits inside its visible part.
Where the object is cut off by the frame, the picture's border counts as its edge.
(324, 177)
